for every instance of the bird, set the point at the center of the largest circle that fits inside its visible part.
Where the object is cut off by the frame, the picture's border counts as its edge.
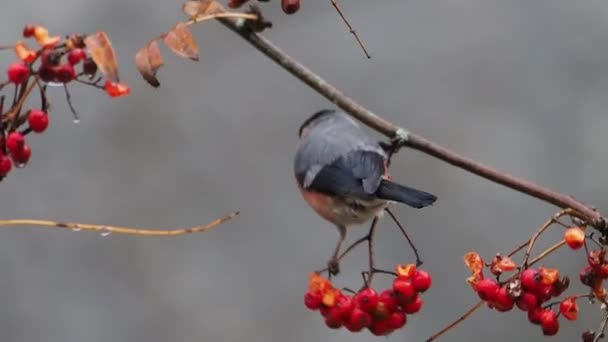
(342, 174)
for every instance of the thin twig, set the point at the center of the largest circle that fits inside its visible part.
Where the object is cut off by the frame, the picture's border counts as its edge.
(456, 322)
(370, 250)
(350, 28)
(600, 333)
(68, 98)
(405, 137)
(418, 259)
(104, 230)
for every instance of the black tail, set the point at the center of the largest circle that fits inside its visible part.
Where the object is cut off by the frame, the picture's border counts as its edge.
(400, 193)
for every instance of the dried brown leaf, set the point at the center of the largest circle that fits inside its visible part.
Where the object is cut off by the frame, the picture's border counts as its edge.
(148, 60)
(197, 8)
(102, 53)
(181, 42)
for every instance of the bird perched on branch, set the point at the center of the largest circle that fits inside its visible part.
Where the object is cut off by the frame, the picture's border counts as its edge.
(342, 173)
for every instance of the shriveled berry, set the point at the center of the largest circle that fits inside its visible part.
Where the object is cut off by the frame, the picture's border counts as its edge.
(503, 301)
(236, 3)
(413, 306)
(313, 300)
(89, 67)
(380, 312)
(527, 301)
(5, 165)
(290, 6)
(486, 289)
(47, 74)
(367, 299)
(15, 141)
(358, 320)
(530, 279)
(17, 72)
(21, 156)
(65, 73)
(421, 281)
(396, 320)
(603, 271)
(76, 55)
(38, 120)
(587, 276)
(549, 322)
(575, 237)
(380, 328)
(390, 299)
(404, 288)
(28, 31)
(50, 58)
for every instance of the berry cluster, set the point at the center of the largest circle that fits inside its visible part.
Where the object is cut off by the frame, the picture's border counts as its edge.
(14, 144)
(288, 6)
(381, 313)
(55, 62)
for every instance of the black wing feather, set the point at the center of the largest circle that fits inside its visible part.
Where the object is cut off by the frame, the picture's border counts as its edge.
(357, 174)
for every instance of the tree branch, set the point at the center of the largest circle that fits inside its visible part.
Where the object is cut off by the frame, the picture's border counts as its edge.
(403, 137)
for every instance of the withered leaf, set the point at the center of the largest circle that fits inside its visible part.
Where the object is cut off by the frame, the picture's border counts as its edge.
(197, 8)
(148, 60)
(102, 53)
(181, 42)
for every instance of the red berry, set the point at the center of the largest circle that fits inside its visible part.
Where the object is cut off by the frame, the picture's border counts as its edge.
(290, 6)
(380, 328)
(575, 237)
(603, 271)
(413, 306)
(549, 322)
(21, 156)
(333, 322)
(486, 289)
(358, 320)
(390, 299)
(324, 310)
(404, 288)
(527, 301)
(28, 31)
(534, 315)
(313, 300)
(530, 279)
(17, 72)
(15, 141)
(543, 292)
(38, 120)
(75, 56)
(5, 165)
(421, 280)
(367, 299)
(396, 320)
(503, 301)
(344, 306)
(65, 73)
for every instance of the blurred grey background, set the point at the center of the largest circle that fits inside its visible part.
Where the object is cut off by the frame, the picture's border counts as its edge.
(517, 84)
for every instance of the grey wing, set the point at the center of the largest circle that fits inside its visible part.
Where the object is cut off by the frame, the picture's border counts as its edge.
(326, 145)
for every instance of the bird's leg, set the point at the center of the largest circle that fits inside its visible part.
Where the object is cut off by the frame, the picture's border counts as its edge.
(333, 266)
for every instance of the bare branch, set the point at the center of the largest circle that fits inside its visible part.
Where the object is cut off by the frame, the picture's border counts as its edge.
(406, 138)
(106, 230)
(350, 28)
